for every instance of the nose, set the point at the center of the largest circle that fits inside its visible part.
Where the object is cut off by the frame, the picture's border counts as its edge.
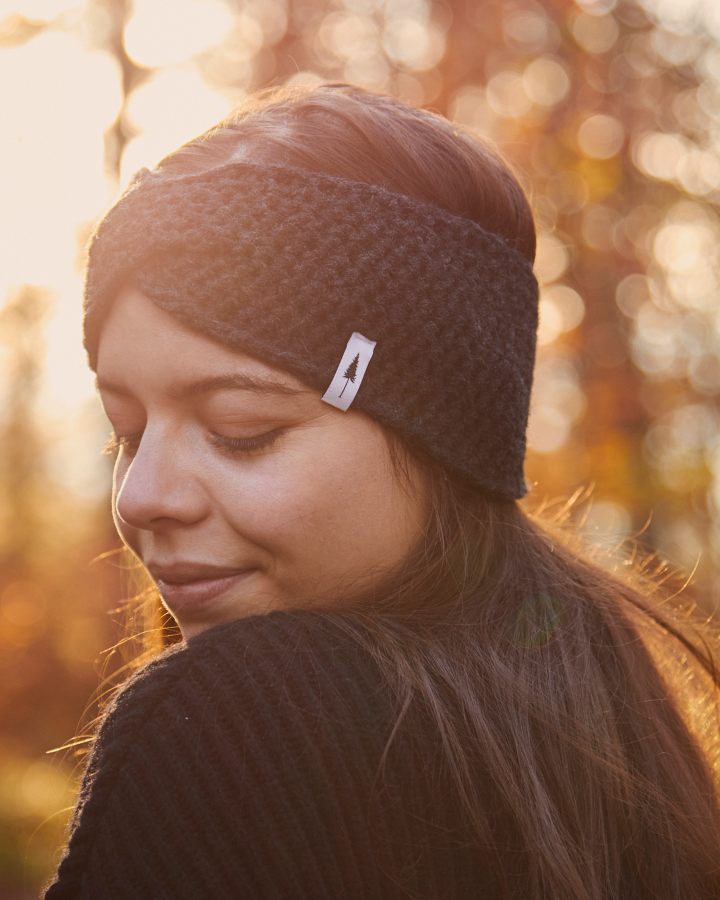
(160, 486)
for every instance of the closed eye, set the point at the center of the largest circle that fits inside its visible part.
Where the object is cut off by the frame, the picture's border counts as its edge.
(245, 445)
(130, 443)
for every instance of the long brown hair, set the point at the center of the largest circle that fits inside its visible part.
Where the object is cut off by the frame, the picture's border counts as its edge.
(576, 682)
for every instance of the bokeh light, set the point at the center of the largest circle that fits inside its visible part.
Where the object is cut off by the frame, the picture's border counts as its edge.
(39, 10)
(595, 33)
(601, 136)
(546, 81)
(557, 402)
(552, 257)
(561, 310)
(168, 109)
(53, 175)
(153, 38)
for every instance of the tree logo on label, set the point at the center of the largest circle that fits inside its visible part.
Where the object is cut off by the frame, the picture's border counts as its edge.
(351, 372)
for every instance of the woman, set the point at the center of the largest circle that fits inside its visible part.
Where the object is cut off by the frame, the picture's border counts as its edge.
(313, 329)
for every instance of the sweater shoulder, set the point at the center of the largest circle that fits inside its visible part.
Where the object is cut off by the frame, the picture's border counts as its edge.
(261, 714)
(249, 761)
(285, 672)
(297, 656)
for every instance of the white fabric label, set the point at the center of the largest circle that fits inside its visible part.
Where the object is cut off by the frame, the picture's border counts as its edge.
(350, 372)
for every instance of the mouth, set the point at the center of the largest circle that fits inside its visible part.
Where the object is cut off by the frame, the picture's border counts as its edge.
(185, 572)
(183, 590)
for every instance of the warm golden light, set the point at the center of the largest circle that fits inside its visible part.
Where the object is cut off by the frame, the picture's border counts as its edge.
(507, 95)
(469, 106)
(349, 36)
(552, 258)
(601, 136)
(413, 43)
(557, 401)
(546, 81)
(39, 10)
(52, 175)
(659, 154)
(595, 34)
(609, 113)
(168, 109)
(155, 38)
(561, 310)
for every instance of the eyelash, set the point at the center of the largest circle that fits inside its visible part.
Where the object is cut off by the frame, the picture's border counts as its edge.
(231, 445)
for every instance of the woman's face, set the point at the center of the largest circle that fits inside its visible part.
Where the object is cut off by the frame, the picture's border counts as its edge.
(311, 515)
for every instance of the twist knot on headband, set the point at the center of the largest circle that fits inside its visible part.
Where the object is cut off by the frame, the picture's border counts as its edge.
(420, 318)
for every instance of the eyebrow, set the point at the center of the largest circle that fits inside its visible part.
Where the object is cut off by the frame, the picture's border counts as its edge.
(231, 381)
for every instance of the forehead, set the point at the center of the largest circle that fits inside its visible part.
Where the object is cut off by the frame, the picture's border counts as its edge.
(141, 345)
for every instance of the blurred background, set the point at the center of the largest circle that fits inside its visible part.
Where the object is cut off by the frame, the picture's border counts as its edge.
(610, 112)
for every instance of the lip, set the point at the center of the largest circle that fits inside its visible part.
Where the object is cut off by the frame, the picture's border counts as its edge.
(183, 572)
(188, 585)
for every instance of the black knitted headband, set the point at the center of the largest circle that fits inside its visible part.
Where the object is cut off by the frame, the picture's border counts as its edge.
(420, 318)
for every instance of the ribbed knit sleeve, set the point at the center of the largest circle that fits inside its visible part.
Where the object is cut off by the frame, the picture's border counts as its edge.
(242, 764)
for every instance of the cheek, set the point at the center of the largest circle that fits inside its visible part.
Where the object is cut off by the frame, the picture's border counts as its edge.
(293, 501)
(333, 503)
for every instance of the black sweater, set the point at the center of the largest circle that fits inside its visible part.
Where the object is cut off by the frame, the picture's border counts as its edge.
(242, 764)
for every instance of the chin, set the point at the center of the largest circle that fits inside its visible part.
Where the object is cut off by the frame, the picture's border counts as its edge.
(190, 628)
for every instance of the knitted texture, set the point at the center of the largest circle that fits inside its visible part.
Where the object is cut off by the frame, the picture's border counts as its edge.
(244, 764)
(284, 265)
